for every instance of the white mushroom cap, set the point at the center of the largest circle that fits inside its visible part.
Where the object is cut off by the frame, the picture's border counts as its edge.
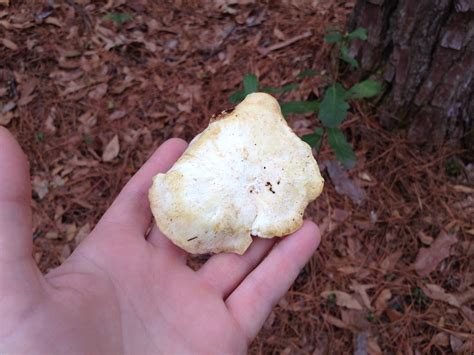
(247, 174)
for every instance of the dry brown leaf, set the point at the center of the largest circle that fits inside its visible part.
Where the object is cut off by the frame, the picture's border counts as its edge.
(455, 343)
(343, 183)
(343, 299)
(49, 122)
(83, 233)
(111, 150)
(99, 91)
(424, 238)
(438, 293)
(393, 314)
(54, 21)
(5, 2)
(40, 186)
(70, 230)
(382, 301)
(117, 115)
(65, 252)
(428, 258)
(373, 347)
(362, 291)
(52, 235)
(388, 264)
(466, 296)
(6, 118)
(9, 44)
(440, 339)
(27, 93)
(335, 321)
(464, 189)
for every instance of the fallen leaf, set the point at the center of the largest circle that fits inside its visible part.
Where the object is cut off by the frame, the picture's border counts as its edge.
(27, 93)
(381, 302)
(88, 119)
(53, 21)
(464, 189)
(468, 313)
(335, 321)
(9, 106)
(5, 118)
(49, 122)
(343, 183)
(117, 115)
(362, 291)
(9, 44)
(373, 347)
(5, 2)
(466, 296)
(65, 252)
(70, 230)
(428, 258)
(52, 235)
(111, 150)
(83, 233)
(40, 186)
(424, 238)
(455, 343)
(99, 91)
(440, 339)
(438, 293)
(388, 264)
(393, 314)
(343, 299)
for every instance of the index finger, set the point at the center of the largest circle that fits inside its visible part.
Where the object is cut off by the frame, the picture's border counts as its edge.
(130, 211)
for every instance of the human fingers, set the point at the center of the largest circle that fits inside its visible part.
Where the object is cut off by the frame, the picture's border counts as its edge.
(225, 271)
(254, 298)
(159, 240)
(15, 200)
(130, 212)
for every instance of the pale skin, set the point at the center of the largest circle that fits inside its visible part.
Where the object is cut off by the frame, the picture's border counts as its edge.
(123, 291)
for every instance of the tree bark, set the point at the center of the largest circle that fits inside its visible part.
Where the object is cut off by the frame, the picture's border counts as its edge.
(424, 50)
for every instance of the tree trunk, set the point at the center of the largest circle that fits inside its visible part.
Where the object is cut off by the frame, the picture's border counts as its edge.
(424, 50)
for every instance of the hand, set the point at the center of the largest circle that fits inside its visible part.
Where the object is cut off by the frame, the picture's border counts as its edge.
(124, 292)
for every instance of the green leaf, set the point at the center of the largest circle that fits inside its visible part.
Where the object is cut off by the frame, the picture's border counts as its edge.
(345, 56)
(250, 83)
(282, 90)
(314, 139)
(118, 17)
(299, 107)
(342, 149)
(307, 73)
(359, 33)
(250, 86)
(364, 89)
(333, 37)
(333, 109)
(236, 97)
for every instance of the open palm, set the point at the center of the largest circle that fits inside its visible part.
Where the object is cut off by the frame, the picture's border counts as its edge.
(123, 291)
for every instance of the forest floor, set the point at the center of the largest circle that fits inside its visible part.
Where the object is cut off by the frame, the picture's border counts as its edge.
(91, 88)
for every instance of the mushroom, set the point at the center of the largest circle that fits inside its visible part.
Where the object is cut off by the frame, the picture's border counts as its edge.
(246, 175)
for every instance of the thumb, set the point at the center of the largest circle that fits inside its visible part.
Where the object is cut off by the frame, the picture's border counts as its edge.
(15, 200)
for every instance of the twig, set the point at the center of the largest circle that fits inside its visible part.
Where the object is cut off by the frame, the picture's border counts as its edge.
(288, 42)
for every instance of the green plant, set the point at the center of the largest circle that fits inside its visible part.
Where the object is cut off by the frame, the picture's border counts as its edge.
(118, 18)
(332, 110)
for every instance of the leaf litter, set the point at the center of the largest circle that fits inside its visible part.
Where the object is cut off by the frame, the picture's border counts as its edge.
(89, 98)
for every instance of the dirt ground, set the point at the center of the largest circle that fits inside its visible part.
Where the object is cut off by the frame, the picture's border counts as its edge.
(91, 88)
